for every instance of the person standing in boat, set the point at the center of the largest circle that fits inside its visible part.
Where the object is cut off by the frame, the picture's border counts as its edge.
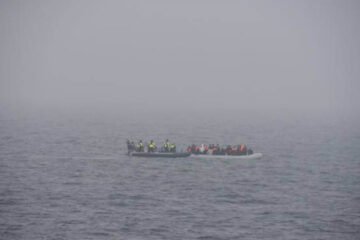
(130, 146)
(172, 147)
(166, 146)
(151, 146)
(140, 146)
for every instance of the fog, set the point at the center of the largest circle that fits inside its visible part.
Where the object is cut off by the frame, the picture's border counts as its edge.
(273, 57)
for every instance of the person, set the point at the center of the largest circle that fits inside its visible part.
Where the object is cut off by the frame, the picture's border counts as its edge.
(172, 147)
(217, 147)
(151, 146)
(202, 148)
(197, 149)
(166, 146)
(189, 149)
(140, 146)
(228, 150)
(130, 146)
(216, 150)
(243, 149)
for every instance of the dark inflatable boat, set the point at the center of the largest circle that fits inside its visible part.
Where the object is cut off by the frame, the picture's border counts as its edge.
(160, 154)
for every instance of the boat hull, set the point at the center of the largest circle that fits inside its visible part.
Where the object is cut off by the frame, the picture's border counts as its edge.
(209, 156)
(160, 154)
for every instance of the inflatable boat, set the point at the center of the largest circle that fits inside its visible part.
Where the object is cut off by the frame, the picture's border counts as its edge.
(160, 154)
(213, 156)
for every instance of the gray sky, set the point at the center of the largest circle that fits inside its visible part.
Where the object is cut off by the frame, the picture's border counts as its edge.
(274, 56)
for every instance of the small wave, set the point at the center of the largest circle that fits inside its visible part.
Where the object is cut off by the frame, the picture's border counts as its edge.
(207, 237)
(99, 234)
(10, 202)
(72, 183)
(71, 222)
(119, 204)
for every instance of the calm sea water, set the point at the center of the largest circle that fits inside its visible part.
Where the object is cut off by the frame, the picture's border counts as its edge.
(69, 178)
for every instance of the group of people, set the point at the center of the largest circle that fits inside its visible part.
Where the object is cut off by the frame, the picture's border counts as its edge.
(151, 146)
(213, 149)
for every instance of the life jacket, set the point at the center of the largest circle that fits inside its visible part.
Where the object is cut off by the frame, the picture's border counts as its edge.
(166, 146)
(140, 146)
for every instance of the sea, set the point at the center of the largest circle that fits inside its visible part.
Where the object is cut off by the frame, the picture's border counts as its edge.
(67, 176)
